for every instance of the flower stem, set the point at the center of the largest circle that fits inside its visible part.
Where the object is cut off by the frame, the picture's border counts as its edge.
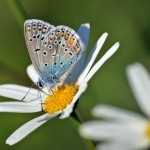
(77, 120)
(76, 117)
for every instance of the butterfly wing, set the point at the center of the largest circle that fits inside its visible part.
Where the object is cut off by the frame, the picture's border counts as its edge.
(36, 32)
(53, 50)
(67, 51)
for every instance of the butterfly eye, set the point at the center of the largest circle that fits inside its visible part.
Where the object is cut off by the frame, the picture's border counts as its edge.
(40, 84)
(54, 77)
(66, 49)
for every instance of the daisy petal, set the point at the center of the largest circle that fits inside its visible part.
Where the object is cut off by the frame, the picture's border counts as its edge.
(68, 110)
(106, 56)
(139, 80)
(19, 107)
(32, 74)
(92, 57)
(83, 32)
(112, 131)
(120, 133)
(18, 92)
(110, 146)
(111, 112)
(27, 128)
(137, 144)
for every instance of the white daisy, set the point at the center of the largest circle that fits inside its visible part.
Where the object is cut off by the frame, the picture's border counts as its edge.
(59, 102)
(123, 130)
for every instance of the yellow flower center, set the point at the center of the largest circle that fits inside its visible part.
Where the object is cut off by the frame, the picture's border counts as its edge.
(147, 131)
(60, 98)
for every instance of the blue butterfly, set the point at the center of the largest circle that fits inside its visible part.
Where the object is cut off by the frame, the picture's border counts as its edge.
(53, 50)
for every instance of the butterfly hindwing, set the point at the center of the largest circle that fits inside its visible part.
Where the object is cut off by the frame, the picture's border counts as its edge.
(67, 51)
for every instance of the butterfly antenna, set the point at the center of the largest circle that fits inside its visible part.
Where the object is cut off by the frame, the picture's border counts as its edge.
(39, 96)
(28, 92)
(43, 91)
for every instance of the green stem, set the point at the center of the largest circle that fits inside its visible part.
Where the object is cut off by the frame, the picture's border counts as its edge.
(18, 11)
(77, 120)
(76, 117)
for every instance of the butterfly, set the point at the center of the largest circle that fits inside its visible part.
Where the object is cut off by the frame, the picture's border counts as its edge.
(53, 50)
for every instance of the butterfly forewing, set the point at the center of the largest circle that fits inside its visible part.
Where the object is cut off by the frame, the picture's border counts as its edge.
(53, 50)
(35, 33)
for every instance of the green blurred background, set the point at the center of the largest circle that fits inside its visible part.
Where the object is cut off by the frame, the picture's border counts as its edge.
(126, 21)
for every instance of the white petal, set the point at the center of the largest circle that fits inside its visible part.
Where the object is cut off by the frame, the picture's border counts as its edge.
(110, 130)
(111, 146)
(92, 57)
(134, 144)
(83, 32)
(18, 92)
(111, 112)
(19, 107)
(139, 80)
(28, 127)
(106, 56)
(32, 74)
(68, 110)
